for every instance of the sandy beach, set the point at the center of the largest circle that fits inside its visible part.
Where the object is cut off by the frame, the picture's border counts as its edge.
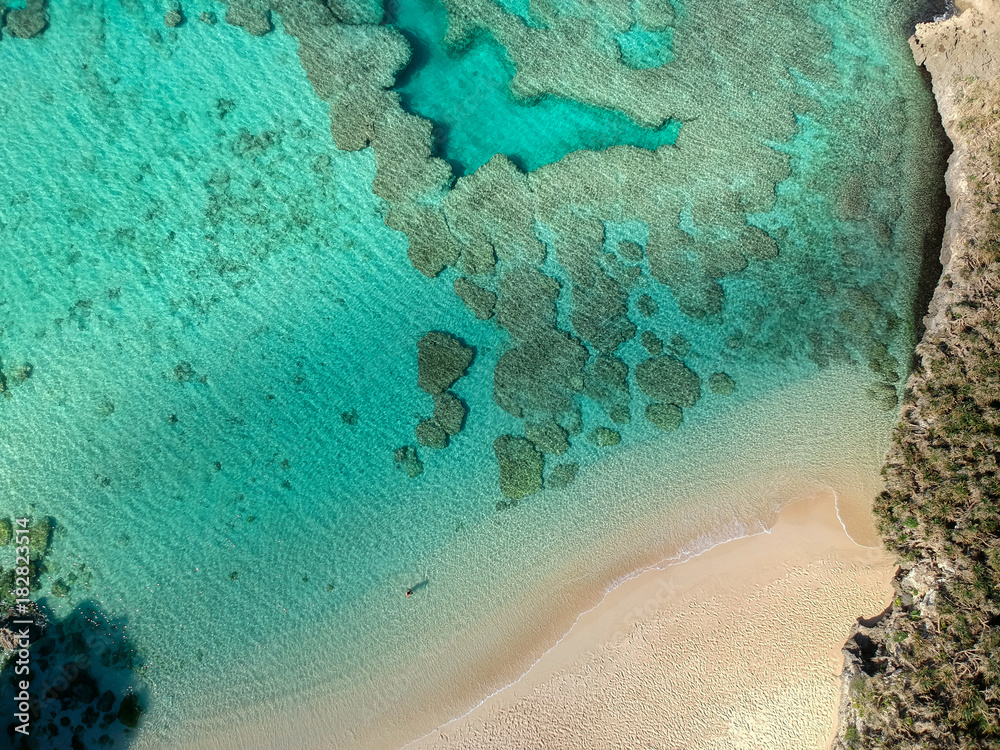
(736, 648)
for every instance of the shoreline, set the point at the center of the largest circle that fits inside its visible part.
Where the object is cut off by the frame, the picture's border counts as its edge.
(659, 594)
(746, 485)
(910, 671)
(680, 559)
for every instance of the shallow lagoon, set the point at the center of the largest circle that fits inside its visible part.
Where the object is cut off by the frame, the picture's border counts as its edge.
(222, 330)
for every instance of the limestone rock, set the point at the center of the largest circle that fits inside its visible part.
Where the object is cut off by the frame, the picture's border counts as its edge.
(173, 18)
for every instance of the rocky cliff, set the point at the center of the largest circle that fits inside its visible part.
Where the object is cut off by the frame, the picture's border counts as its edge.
(926, 673)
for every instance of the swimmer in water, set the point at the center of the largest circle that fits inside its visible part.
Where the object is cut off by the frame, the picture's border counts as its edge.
(409, 593)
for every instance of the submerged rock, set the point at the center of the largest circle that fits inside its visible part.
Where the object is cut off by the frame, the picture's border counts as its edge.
(184, 372)
(606, 382)
(432, 245)
(572, 421)
(29, 21)
(520, 466)
(721, 384)
(441, 360)
(679, 346)
(60, 589)
(540, 376)
(105, 701)
(562, 475)
(667, 417)
(603, 437)
(884, 396)
(130, 711)
(254, 16)
(449, 412)
(548, 437)
(630, 251)
(669, 380)
(430, 435)
(40, 536)
(526, 305)
(647, 306)
(22, 372)
(492, 211)
(407, 460)
(174, 18)
(652, 343)
(598, 310)
(481, 301)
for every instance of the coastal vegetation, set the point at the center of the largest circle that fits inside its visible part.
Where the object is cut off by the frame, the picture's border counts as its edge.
(928, 674)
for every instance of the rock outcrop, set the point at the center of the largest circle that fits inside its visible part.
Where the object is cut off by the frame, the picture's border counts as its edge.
(29, 21)
(925, 672)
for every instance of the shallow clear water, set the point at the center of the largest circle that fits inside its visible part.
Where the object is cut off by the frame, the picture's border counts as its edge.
(221, 328)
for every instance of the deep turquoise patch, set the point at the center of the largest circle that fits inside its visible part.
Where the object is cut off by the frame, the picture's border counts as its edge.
(466, 94)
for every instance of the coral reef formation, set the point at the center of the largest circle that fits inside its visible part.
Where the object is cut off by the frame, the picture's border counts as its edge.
(27, 22)
(527, 243)
(441, 361)
(408, 460)
(521, 466)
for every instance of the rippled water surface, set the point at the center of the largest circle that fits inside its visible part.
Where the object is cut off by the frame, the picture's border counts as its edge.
(219, 251)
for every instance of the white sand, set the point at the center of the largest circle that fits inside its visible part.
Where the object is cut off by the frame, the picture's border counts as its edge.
(737, 648)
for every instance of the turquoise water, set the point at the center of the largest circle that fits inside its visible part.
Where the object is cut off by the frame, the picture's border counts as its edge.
(208, 332)
(465, 91)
